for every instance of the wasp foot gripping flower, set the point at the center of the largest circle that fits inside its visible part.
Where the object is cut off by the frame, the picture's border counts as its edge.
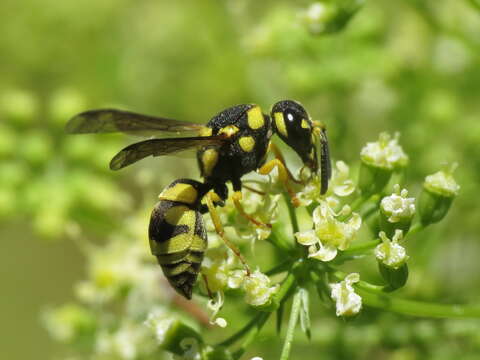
(439, 190)
(347, 302)
(397, 211)
(329, 234)
(379, 160)
(263, 208)
(340, 185)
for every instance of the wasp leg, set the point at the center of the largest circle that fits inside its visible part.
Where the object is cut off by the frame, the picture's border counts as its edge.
(219, 229)
(237, 197)
(278, 155)
(205, 280)
(282, 175)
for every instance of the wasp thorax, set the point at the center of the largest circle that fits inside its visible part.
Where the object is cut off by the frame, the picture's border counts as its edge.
(292, 123)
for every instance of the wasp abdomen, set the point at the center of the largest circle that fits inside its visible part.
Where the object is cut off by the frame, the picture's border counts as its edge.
(177, 234)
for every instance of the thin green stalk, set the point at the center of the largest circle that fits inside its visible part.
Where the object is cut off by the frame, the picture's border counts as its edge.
(416, 308)
(292, 323)
(291, 213)
(251, 334)
(373, 295)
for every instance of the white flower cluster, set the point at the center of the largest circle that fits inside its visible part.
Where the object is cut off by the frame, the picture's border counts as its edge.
(329, 234)
(256, 286)
(398, 206)
(385, 153)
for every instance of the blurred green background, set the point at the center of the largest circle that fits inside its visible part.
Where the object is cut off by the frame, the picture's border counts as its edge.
(409, 66)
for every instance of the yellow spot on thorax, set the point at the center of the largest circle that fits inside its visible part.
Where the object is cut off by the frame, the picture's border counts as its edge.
(255, 118)
(229, 130)
(280, 123)
(247, 143)
(305, 124)
(209, 160)
(184, 193)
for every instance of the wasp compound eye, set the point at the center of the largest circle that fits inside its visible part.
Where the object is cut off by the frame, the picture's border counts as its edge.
(292, 123)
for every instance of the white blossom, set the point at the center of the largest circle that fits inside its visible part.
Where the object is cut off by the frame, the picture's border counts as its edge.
(257, 289)
(347, 302)
(398, 206)
(385, 153)
(329, 234)
(390, 252)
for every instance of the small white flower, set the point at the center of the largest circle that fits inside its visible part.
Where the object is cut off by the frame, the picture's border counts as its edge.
(385, 153)
(442, 182)
(256, 358)
(347, 302)
(340, 185)
(391, 253)
(257, 289)
(398, 206)
(329, 234)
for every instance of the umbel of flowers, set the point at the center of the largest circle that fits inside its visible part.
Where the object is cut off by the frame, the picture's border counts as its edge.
(125, 310)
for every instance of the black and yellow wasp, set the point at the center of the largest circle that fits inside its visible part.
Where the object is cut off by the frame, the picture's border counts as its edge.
(233, 143)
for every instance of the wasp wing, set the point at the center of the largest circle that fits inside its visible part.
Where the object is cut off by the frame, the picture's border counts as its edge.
(159, 147)
(111, 120)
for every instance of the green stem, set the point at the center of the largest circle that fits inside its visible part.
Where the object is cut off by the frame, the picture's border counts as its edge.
(292, 323)
(291, 213)
(277, 239)
(251, 334)
(416, 308)
(373, 296)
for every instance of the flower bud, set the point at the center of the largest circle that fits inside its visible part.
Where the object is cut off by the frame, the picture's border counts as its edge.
(379, 160)
(435, 200)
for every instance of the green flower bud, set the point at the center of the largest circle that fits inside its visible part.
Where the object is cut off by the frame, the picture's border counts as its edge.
(437, 196)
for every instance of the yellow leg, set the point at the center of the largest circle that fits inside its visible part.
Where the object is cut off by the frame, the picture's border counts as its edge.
(237, 197)
(219, 229)
(282, 175)
(278, 155)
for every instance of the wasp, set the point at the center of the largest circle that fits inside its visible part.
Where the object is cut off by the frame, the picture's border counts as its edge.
(233, 143)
